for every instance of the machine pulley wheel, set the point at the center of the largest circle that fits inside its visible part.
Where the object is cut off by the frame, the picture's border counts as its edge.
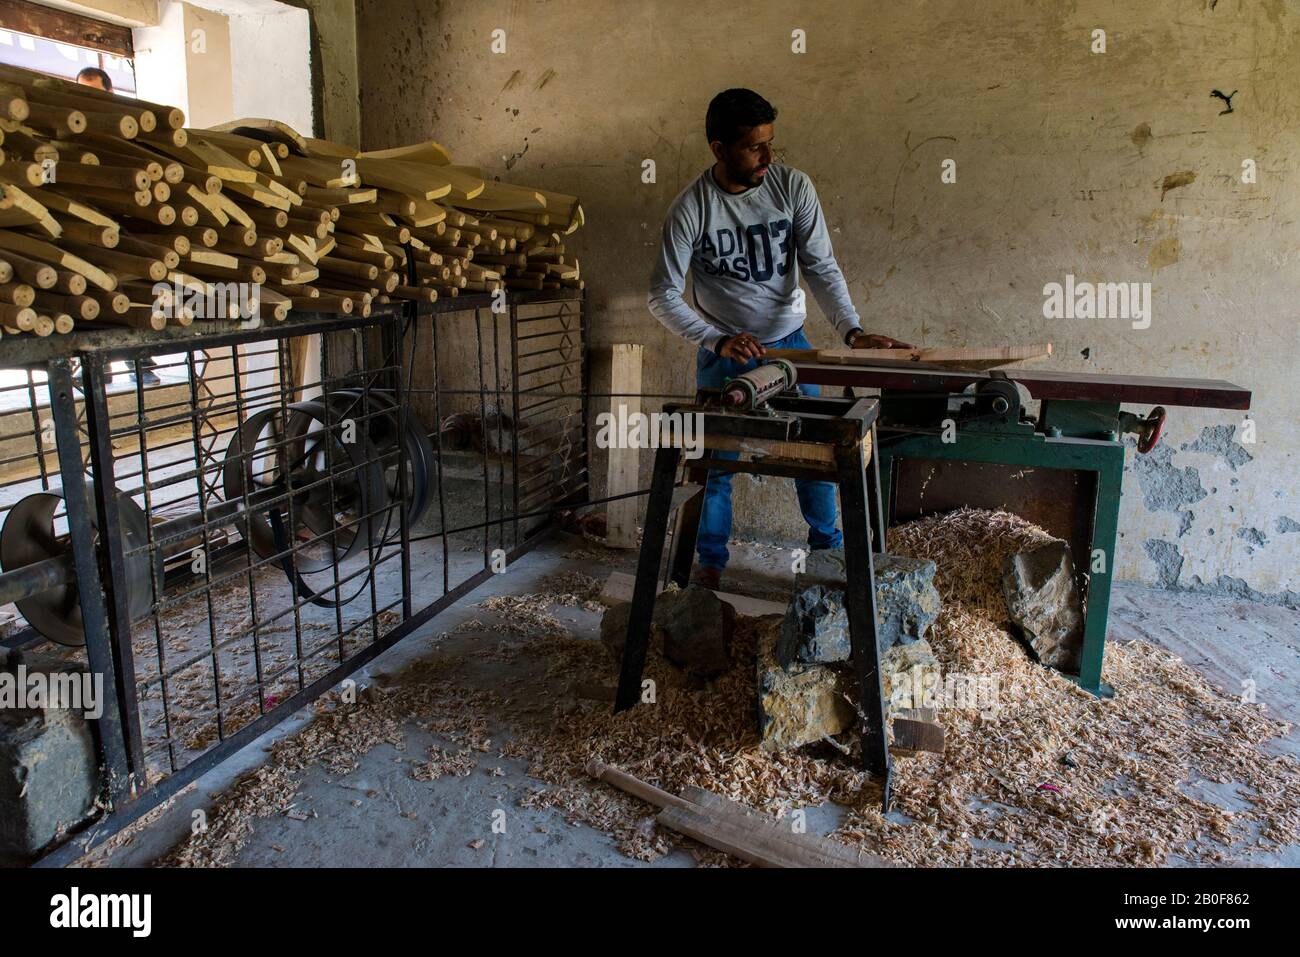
(384, 424)
(339, 497)
(1000, 397)
(29, 536)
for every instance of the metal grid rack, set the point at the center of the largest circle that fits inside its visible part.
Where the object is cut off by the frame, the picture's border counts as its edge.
(513, 434)
(280, 516)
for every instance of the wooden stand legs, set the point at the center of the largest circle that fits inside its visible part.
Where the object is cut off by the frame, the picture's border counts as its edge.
(654, 530)
(863, 521)
(859, 486)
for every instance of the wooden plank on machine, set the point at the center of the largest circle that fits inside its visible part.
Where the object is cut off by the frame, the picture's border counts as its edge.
(624, 463)
(972, 358)
(1041, 383)
(962, 358)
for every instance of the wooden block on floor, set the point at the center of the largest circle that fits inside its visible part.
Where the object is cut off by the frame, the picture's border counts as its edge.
(756, 837)
(918, 714)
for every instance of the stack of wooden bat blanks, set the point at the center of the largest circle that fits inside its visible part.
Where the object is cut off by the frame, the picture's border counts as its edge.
(105, 197)
(96, 215)
(538, 220)
(965, 359)
(446, 229)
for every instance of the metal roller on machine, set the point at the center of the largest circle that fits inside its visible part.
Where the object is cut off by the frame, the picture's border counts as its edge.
(751, 390)
(343, 497)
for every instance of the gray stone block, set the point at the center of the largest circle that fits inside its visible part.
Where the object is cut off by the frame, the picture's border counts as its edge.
(815, 628)
(696, 627)
(1043, 600)
(692, 627)
(907, 603)
(48, 779)
(798, 704)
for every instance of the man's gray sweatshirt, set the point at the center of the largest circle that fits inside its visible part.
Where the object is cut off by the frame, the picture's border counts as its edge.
(745, 251)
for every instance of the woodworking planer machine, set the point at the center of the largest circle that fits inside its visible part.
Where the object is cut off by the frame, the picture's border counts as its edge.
(949, 439)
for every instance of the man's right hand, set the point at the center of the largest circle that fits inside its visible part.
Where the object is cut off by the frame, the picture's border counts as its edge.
(742, 348)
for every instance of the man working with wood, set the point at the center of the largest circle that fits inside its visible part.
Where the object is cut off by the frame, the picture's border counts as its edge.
(745, 228)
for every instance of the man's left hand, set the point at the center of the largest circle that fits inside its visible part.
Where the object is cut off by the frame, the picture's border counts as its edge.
(868, 340)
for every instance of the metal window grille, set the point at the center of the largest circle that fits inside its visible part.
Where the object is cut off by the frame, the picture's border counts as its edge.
(240, 518)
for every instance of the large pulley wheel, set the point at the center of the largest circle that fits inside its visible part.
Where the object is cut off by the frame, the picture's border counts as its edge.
(384, 426)
(339, 501)
(29, 536)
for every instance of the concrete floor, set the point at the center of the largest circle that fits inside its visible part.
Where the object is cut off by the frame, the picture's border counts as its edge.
(379, 816)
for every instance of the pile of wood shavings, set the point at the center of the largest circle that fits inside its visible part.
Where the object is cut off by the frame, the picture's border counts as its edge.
(531, 614)
(574, 590)
(528, 615)
(1051, 775)
(701, 737)
(336, 739)
(1055, 774)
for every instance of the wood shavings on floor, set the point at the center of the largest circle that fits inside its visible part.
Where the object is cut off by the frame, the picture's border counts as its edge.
(1045, 775)
(217, 672)
(531, 614)
(574, 590)
(1004, 792)
(441, 761)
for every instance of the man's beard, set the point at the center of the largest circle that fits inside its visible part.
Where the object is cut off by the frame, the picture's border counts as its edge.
(748, 178)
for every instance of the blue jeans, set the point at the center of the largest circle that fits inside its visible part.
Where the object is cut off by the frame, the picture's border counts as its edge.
(816, 499)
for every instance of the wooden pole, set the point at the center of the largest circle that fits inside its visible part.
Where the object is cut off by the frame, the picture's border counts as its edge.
(624, 463)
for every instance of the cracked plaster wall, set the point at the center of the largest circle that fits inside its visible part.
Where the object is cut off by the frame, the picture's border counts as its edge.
(1068, 162)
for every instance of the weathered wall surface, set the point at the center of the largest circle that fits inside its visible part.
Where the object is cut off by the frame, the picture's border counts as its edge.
(1061, 159)
(334, 35)
(270, 46)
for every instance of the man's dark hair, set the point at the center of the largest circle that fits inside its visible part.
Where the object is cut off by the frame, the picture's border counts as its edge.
(733, 111)
(98, 74)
